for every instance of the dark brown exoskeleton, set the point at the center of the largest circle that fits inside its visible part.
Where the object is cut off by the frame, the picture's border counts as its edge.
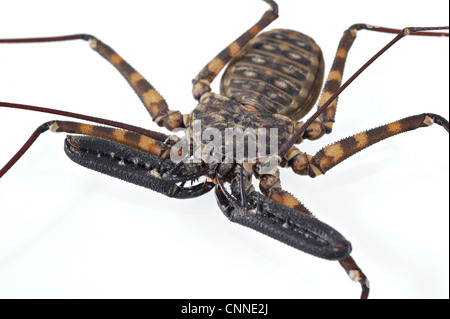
(272, 81)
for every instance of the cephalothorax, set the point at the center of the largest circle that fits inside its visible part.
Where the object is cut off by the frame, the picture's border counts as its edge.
(272, 81)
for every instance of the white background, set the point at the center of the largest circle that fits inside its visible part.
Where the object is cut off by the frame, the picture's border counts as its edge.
(66, 231)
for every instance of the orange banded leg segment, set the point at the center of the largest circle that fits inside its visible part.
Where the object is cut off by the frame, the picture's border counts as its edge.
(270, 186)
(324, 123)
(132, 139)
(335, 153)
(202, 82)
(153, 101)
(129, 138)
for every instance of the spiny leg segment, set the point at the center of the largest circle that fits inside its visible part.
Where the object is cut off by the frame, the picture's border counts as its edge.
(270, 186)
(335, 153)
(321, 122)
(314, 123)
(157, 107)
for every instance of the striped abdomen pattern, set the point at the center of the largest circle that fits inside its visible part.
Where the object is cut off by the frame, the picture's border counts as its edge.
(280, 71)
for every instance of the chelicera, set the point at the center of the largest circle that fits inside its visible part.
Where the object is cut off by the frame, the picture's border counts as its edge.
(272, 80)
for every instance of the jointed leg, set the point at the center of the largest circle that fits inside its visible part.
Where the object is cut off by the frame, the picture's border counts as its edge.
(132, 139)
(324, 123)
(203, 80)
(335, 153)
(271, 187)
(153, 101)
(355, 273)
(129, 138)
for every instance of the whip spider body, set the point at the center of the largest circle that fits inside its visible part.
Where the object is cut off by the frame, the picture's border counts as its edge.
(199, 90)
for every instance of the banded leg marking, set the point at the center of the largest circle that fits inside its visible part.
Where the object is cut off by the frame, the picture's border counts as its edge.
(355, 273)
(324, 123)
(150, 97)
(153, 101)
(202, 82)
(132, 139)
(270, 186)
(335, 153)
(129, 138)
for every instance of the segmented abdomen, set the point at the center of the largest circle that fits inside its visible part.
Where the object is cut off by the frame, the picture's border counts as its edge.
(280, 71)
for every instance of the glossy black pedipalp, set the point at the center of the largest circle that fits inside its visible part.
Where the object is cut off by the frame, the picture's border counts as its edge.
(137, 167)
(282, 223)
